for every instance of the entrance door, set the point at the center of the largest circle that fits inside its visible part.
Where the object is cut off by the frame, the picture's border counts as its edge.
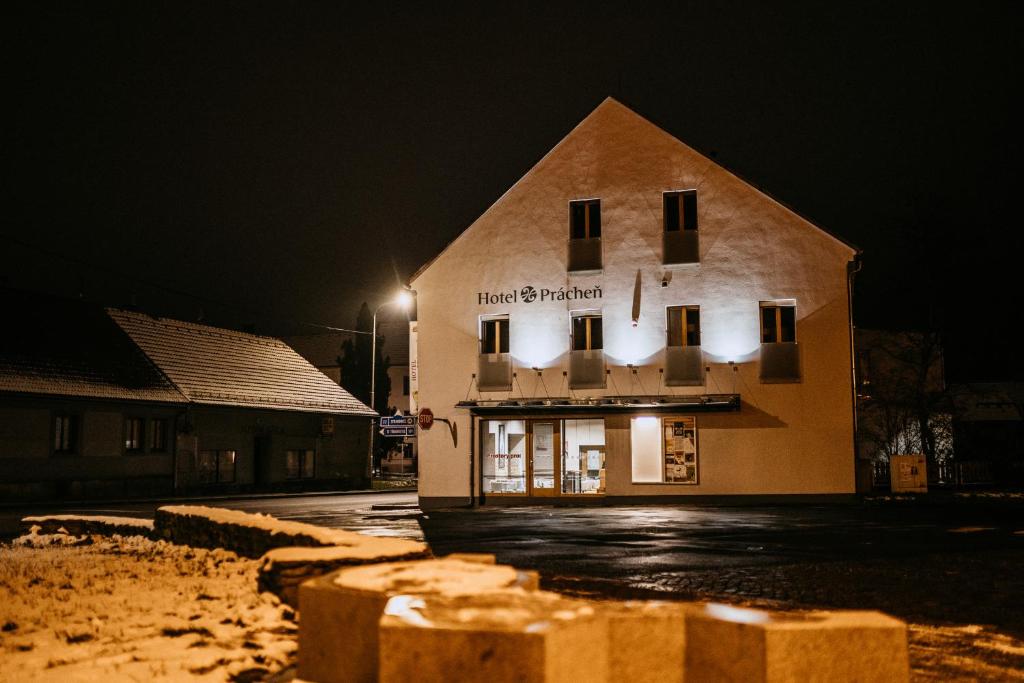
(544, 474)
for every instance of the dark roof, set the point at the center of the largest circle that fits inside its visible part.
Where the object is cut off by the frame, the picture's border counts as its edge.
(215, 366)
(64, 347)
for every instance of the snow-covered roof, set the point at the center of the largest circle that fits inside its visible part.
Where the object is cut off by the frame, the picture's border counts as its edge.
(215, 366)
(63, 347)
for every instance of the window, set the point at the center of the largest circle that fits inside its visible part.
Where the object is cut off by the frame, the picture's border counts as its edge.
(583, 456)
(504, 456)
(158, 435)
(494, 334)
(133, 428)
(216, 467)
(300, 464)
(585, 219)
(683, 326)
(586, 332)
(65, 433)
(405, 385)
(680, 210)
(778, 323)
(664, 450)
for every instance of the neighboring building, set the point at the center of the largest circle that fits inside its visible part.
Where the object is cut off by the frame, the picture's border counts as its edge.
(97, 403)
(630, 321)
(988, 427)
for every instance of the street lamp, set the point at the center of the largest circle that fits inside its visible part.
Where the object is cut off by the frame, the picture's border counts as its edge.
(403, 299)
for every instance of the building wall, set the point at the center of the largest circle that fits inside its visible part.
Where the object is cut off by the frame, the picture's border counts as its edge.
(100, 467)
(397, 398)
(786, 439)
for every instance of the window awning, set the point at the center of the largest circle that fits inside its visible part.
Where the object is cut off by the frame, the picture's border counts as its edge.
(703, 403)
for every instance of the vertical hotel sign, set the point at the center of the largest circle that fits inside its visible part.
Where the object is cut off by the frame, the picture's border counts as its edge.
(414, 369)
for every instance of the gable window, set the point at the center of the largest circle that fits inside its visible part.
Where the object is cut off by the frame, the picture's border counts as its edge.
(133, 434)
(586, 332)
(584, 235)
(494, 334)
(300, 464)
(680, 210)
(683, 326)
(778, 323)
(680, 244)
(216, 467)
(158, 435)
(65, 433)
(585, 219)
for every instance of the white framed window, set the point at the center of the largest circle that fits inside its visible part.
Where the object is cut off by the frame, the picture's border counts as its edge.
(778, 322)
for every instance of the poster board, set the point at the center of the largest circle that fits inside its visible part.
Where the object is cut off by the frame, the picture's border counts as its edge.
(679, 450)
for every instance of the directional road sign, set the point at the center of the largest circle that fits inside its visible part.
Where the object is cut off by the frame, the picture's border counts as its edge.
(398, 431)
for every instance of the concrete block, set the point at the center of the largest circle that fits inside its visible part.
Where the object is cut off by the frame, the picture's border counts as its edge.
(498, 637)
(79, 525)
(725, 643)
(282, 570)
(646, 641)
(339, 612)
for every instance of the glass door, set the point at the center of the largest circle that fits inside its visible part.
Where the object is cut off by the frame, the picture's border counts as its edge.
(544, 446)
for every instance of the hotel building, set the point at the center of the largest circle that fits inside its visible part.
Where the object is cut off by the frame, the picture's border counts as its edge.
(630, 321)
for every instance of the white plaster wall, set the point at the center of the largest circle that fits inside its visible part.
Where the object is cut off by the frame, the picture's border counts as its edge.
(396, 399)
(788, 438)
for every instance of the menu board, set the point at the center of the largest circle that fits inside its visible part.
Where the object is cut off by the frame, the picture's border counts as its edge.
(680, 450)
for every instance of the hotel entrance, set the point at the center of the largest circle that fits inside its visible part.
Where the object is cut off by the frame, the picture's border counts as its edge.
(543, 458)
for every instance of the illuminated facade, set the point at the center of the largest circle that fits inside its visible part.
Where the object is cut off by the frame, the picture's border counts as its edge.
(632, 321)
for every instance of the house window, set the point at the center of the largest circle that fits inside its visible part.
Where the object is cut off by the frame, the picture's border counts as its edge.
(216, 467)
(585, 219)
(683, 326)
(133, 429)
(778, 323)
(586, 332)
(680, 210)
(300, 464)
(494, 334)
(65, 433)
(158, 435)
(405, 385)
(664, 450)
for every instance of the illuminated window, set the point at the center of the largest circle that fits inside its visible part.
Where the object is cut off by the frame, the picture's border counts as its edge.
(133, 429)
(664, 450)
(586, 332)
(300, 464)
(494, 334)
(585, 219)
(65, 433)
(683, 326)
(504, 456)
(216, 467)
(680, 210)
(778, 323)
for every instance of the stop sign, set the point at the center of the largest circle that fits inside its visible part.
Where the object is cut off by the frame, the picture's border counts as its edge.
(426, 418)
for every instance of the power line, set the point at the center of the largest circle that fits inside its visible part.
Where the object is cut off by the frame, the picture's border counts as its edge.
(165, 288)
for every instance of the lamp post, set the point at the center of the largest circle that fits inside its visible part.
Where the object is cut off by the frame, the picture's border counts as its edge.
(403, 300)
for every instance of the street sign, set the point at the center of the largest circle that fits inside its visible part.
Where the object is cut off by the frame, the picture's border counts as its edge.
(426, 418)
(398, 431)
(398, 421)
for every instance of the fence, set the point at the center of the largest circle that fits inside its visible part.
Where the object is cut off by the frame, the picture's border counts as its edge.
(965, 473)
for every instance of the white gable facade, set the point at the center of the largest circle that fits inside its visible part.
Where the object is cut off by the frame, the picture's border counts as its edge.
(631, 321)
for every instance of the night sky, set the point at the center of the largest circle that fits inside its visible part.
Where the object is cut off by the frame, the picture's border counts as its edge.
(281, 163)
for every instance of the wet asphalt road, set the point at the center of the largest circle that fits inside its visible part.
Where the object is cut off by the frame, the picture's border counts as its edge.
(939, 560)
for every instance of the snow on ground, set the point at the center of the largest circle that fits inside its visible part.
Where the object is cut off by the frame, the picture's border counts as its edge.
(127, 608)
